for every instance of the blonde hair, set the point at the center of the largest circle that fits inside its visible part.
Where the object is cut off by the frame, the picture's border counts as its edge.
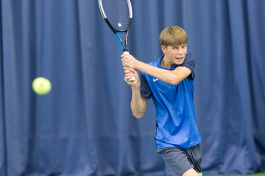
(173, 36)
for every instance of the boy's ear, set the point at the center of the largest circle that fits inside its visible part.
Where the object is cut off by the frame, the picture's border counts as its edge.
(163, 48)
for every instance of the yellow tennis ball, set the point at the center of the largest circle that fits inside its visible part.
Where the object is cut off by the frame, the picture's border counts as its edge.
(41, 85)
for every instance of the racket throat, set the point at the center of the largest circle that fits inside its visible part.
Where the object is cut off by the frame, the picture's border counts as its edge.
(124, 48)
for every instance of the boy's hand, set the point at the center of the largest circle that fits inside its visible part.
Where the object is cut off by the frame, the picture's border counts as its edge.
(129, 73)
(128, 61)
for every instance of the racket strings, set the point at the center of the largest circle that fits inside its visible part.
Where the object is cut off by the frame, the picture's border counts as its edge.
(117, 12)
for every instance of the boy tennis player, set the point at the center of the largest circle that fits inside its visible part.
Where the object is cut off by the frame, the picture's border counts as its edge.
(170, 83)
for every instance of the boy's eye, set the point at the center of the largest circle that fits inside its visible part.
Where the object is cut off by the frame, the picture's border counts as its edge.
(176, 47)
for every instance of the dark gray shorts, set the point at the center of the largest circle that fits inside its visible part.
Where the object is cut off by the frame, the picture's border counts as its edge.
(181, 160)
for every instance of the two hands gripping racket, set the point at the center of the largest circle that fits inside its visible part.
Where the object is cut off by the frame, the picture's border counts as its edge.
(126, 59)
(118, 16)
(129, 63)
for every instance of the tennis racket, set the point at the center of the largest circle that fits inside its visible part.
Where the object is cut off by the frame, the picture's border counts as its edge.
(118, 15)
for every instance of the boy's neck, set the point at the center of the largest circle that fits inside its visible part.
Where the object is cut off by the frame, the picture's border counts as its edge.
(166, 63)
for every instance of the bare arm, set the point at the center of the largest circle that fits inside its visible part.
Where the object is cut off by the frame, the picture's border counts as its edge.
(169, 76)
(138, 104)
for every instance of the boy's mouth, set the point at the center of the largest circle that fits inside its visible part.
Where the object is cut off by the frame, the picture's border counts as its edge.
(179, 58)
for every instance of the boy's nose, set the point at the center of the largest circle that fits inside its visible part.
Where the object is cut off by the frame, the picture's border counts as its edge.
(181, 51)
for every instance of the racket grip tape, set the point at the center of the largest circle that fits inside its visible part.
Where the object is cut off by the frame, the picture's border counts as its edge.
(133, 78)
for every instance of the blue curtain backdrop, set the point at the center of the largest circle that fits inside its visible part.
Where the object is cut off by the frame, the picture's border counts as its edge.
(84, 126)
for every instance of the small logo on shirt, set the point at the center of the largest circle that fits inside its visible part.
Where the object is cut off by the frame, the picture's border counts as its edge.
(154, 79)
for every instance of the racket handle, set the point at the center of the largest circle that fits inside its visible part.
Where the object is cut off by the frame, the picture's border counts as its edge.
(133, 78)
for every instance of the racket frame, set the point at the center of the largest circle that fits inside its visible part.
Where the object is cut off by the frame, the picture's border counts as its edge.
(124, 45)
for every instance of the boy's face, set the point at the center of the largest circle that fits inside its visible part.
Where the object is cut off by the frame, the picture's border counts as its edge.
(175, 54)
